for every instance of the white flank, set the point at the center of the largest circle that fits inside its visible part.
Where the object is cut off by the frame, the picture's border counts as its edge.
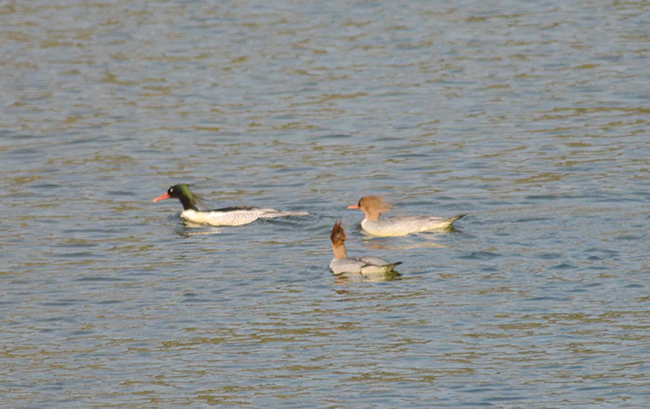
(237, 217)
(361, 265)
(401, 226)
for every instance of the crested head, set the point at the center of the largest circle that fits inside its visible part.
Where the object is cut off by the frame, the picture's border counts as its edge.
(374, 206)
(338, 241)
(183, 193)
(180, 190)
(338, 233)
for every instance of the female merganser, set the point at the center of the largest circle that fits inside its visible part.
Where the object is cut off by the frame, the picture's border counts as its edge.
(374, 206)
(228, 216)
(342, 264)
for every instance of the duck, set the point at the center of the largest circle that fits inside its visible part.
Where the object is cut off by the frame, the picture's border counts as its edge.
(342, 264)
(374, 206)
(227, 216)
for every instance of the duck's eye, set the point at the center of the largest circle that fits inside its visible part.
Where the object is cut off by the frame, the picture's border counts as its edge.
(171, 190)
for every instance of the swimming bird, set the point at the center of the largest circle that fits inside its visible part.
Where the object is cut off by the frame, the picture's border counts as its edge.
(374, 206)
(342, 264)
(227, 216)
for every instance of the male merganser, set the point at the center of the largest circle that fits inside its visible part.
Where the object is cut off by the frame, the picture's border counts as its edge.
(228, 216)
(374, 206)
(342, 264)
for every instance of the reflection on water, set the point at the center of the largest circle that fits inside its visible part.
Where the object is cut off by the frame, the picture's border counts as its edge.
(530, 116)
(396, 245)
(204, 230)
(370, 278)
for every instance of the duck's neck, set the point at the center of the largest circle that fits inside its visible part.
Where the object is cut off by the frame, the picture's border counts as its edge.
(372, 215)
(188, 203)
(339, 251)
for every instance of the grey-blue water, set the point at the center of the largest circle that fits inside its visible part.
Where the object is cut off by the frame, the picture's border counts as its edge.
(532, 117)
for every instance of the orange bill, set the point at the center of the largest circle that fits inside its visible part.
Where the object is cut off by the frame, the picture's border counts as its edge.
(163, 197)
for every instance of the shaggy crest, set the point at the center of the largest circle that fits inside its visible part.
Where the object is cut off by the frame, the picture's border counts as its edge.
(338, 234)
(182, 192)
(376, 203)
(191, 195)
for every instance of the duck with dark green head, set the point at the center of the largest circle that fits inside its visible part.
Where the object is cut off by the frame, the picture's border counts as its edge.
(227, 216)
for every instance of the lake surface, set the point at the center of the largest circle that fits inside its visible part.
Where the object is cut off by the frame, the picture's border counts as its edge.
(533, 117)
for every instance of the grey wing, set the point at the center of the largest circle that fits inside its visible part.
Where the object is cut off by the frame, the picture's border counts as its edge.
(373, 261)
(376, 265)
(401, 219)
(426, 219)
(413, 224)
(234, 208)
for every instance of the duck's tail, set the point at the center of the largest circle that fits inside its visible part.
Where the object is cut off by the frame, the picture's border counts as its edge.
(454, 219)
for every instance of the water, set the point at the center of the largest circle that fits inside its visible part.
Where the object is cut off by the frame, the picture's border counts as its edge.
(531, 117)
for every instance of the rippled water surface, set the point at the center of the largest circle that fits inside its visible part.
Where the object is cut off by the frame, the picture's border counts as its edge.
(532, 117)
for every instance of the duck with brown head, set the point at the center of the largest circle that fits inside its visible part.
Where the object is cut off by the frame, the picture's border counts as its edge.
(342, 264)
(374, 206)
